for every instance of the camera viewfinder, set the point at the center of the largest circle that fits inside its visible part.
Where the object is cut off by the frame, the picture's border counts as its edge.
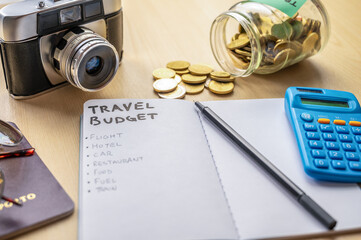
(69, 15)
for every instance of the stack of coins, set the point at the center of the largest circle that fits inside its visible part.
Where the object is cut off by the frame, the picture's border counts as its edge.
(180, 78)
(282, 43)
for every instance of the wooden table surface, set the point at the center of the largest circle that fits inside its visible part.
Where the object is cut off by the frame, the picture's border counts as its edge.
(156, 32)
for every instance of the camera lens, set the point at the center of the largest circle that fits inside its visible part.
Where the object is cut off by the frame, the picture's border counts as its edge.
(86, 60)
(94, 65)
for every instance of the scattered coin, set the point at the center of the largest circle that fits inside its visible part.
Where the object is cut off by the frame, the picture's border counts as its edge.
(165, 85)
(220, 74)
(200, 69)
(179, 92)
(223, 79)
(193, 79)
(178, 78)
(190, 81)
(178, 65)
(220, 88)
(163, 73)
(206, 84)
(181, 72)
(193, 88)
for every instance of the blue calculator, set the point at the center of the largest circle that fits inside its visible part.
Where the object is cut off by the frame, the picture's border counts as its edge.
(327, 125)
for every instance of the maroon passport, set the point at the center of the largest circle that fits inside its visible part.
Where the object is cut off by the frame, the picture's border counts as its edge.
(29, 181)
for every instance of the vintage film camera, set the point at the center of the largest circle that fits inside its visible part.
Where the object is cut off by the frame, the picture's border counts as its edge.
(47, 43)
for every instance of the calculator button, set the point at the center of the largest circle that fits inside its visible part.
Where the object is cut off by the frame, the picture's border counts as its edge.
(356, 130)
(321, 163)
(358, 139)
(339, 122)
(342, 129)
(326, 128)
(355, 123)
(355, 166)
(323, 120)
(310, 127)
(315, 144)
(348, 147)
(352, 156)
(313, 136)
(307, 117)
(329, 136)
(332, 146)
(335, 155)
(318, 154)
(338, 164)
(345, 138)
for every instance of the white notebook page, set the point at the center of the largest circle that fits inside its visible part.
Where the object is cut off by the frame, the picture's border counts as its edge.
(148, 174)
(262, 208)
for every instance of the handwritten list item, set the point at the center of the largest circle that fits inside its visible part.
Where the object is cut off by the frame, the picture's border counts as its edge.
(146, 172)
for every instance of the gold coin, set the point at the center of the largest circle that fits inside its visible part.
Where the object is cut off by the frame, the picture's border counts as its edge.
(284, 55)
(178, 65)
(307, 24)
(193, 88)
(179, 92)
(200, 69)
(235, 36)
(240, 42)
(240, 62)
(163, 73)
(206, 85)
(244, 53)
(220, 88)
(282, 45)
(220, 74)
(181, 72)
(177, 78)
(165, 85)
(222, 79)
(310, 42)
(192, 79)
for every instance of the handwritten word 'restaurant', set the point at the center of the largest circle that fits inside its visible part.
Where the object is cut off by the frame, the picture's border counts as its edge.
(134, 116)
(125, 107)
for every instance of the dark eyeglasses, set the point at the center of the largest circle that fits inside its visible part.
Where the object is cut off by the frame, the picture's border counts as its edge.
(10, 137)
(2, 186)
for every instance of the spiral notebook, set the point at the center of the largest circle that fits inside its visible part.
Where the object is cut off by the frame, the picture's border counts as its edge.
(155, 169)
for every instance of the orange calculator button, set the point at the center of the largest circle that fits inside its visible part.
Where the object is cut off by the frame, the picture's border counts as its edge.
(355, 123)
(323, 120)
(339, 122)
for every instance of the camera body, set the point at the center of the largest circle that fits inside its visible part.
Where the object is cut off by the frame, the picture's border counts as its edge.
(46, 44)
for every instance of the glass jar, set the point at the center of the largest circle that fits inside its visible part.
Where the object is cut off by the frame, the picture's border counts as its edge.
(253, 37)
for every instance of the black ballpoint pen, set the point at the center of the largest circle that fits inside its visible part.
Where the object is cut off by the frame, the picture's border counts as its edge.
(301, 197)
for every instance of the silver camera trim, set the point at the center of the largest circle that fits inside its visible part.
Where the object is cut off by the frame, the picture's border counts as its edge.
(18, 21)
(18, 24)
(48, 44)
(77, 49)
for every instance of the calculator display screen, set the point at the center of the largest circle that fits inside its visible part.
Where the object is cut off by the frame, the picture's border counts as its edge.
(324, 103)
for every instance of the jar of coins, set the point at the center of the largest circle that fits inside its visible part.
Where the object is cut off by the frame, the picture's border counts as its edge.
(263, 36)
